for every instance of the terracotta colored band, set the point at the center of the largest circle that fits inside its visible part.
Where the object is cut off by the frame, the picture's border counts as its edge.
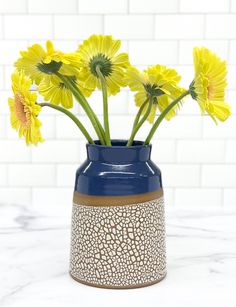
(106, 201)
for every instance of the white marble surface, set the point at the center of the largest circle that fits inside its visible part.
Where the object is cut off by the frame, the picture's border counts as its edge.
(34, 256)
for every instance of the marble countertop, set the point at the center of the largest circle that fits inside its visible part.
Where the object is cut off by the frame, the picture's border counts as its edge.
(34, 257)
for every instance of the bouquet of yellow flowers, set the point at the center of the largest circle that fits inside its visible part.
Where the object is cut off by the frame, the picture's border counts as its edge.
(61, 77)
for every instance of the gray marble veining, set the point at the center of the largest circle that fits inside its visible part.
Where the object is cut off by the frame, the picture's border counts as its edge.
(34, 259)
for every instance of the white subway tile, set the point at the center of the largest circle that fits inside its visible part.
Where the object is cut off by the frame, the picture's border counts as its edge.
(14, 151)
(19, 196)
(28, 27)
(21, 175)
(231, 77)
(224, 130)
(178, 147)
(129, 26)
(229, 197)
(4, 108)
(153, 52)
(200, 151)
(230, 98)
(6, 74)
(13, 6)
(169, 197)
(47, 197)
(66, 175)
(174, 175)
(66, 45)
(189, 107)
(3, 175)
(204, 6)
(2, 84)
(153, 6)
(132, 108)
(82, 152)
(10, 51)
(48, 126)
(221, 26)
(186, 49)
(116, 104)
(120, 126)
(3, 121)
(232, 52)
(163, 151)
(180, 127)
(231, 151)
(198, 197)
(56, 152)
(52, 6)
(233, 6)
(179, 26)
(219, 176)
(66, 128)
(187, 74)
(77, 27)
(102, 6)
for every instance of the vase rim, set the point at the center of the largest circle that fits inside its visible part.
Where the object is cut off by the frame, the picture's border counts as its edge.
(120, 143)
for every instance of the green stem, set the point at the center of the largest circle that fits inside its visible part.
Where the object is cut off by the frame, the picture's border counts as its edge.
(141, 122)
(72, 116)
(162, 116)
(137, 117)
(105, 106)
(85, 105)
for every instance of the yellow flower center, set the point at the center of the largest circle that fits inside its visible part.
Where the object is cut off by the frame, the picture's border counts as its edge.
(22, 111)
(210, 91)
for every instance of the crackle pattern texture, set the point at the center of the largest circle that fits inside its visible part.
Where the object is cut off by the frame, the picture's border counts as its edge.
(118, 246)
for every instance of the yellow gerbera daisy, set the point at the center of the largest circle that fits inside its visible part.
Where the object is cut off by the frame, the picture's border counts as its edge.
(24, 110)
(36, 62)
(157, 82)
(55, 91)
(208, 86)
(100, 51)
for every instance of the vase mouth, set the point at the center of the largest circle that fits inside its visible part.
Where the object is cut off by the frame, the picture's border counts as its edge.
(119, 152)
(116, 143)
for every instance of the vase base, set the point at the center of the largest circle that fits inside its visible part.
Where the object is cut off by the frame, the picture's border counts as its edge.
(135, 286)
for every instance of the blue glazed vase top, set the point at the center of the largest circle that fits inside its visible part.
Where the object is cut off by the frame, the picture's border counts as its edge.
(118, 170)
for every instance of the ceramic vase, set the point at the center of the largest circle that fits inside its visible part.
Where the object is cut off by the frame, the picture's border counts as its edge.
(118, 224)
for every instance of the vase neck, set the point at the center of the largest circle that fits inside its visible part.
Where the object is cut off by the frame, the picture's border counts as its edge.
(119, 152)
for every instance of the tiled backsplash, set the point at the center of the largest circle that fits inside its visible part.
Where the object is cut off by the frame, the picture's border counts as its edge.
(197, 158)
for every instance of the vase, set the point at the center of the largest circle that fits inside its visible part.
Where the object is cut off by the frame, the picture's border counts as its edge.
(118, 224)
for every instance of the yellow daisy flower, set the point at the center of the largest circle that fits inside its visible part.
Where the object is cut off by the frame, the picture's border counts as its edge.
(55, 91)
(101, 51)
(208, 86)
(157, 82)
(24, 110)
(36, 62)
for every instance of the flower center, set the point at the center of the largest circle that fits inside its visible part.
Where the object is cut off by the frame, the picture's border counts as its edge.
(104, 64)
(50, 68)
(153, 90)
(21, 110)
(210, 91)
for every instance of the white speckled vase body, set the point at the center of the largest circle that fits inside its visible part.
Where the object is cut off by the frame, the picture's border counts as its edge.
(119, 246)
(118, 223)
